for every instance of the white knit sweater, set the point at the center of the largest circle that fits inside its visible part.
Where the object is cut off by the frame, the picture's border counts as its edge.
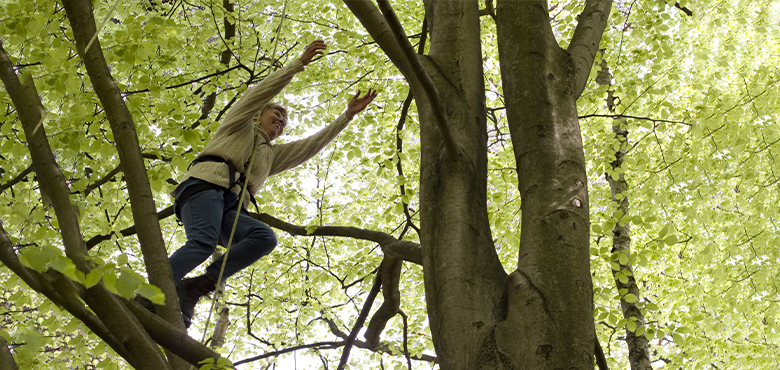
(235, 136)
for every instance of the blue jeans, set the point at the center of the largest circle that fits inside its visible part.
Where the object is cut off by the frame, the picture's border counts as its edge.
(208, 219)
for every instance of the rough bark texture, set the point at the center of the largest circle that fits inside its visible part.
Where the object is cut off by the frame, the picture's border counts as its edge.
(550, 293)
(82, 21)
(638, 346)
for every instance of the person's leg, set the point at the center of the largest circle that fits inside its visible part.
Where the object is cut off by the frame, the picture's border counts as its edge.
(202, 218)
(253, 239)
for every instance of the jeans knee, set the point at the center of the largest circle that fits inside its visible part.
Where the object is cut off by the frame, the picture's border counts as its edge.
(264, 239)
(202, 245)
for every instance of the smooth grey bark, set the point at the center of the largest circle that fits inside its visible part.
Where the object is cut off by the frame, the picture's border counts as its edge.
(82, 21)
(141, 351)
(464, 280)
(550, 294)
(6, 359)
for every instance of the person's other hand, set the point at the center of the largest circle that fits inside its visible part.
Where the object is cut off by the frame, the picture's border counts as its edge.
(358, 104)
(312, 50)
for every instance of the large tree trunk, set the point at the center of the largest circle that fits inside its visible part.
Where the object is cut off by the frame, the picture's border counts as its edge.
(549, 323)
(464, 280)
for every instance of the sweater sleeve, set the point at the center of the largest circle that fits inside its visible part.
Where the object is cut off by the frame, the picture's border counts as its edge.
(256, 96)
(292, 154)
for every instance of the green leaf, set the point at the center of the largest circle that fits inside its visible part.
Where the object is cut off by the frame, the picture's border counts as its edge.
(623, 258)
(152, 293)
(93, 277)
(630, 298)
(670, 240)
(311, 229)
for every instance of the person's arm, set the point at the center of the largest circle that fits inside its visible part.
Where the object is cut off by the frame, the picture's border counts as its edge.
(255, 97)
(289, 155)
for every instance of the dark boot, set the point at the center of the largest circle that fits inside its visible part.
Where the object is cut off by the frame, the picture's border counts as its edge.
(190, 290)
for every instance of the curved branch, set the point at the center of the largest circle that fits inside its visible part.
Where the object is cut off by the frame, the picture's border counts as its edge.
(425, 81)
(390, 271)
(323, 345)
(586, 39)
(382, 348)
(401, 249)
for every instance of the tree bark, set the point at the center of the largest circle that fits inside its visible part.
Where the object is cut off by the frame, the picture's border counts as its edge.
(82, 21)
(638, 345)
(6, 359)
(550, 293)
(140, 349)
(464, 280)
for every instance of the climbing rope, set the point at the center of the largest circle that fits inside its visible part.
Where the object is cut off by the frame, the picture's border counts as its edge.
(243, 192)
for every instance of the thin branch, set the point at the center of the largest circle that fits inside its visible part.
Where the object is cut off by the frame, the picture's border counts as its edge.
(97, 239)
(16, 179)
(601, 360)
(439, 114)
(360, 321)
(102, 181)
(618, 116)
(323, 345)
(382, 348)
(190, 82)
(406, 339)
(684, 9)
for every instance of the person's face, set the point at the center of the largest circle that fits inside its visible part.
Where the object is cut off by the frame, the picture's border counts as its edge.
(273, 122)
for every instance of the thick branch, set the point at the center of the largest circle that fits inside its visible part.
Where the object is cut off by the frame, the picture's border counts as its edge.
(390, 271)
(6, 359)
(82, 21)
(426, 83)
(52, 182)
(585, 42)
(373, 21)
(170, 337)
(44, 284)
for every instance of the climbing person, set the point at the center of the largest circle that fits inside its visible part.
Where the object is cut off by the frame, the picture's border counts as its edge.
(206, 201)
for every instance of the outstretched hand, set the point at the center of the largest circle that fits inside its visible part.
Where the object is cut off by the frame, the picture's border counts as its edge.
(312, 50)
(358, 104)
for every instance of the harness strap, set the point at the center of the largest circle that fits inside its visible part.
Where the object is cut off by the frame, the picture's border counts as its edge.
(231, 168)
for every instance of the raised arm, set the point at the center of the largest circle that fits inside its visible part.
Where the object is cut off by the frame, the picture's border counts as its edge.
(264, 91)
(289, 155)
